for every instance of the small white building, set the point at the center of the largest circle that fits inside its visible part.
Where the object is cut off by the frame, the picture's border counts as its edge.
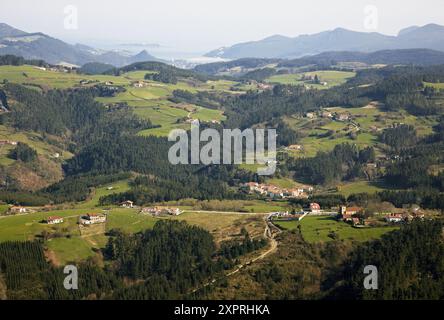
(18, 209)
(394, 218)
(127, 204)
(54, 220)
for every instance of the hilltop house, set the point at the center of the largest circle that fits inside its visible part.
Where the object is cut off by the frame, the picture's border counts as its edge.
(127, 204)
(54, 220)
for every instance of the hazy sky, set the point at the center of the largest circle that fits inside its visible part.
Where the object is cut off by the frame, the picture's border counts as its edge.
(208, 24)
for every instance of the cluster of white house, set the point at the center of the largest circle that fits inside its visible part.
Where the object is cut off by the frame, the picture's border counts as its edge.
(275, 192)
(287, 216)
(327, 114)
(348, 214)
(88, 219)
(157, 211)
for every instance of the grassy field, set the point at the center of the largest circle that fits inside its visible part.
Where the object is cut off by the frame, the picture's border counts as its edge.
(34, 140)
(150, 102)
(367, 123)
(318, 228)
(359, 187)
(69, 245)
(3, 208)
(333, 78)
(117, 187)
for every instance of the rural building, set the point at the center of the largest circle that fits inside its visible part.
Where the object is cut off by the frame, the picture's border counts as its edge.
(394, 218)
(349, 210)
(18, 209)
(295, 147)
(127, 204)
(93, 218)
(342, 117)
(315, 207)
(326, 114)
(174, 211)
(310, 115)
(54, 220)
(155, 211)
(5, 142)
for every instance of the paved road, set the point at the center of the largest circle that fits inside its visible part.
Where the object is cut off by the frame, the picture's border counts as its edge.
(227, 212)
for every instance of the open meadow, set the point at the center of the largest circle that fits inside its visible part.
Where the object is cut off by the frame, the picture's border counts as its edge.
(326, 228)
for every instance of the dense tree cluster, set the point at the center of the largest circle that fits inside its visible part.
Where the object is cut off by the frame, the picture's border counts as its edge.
(23, 152)
(344, 162)
(410, 265)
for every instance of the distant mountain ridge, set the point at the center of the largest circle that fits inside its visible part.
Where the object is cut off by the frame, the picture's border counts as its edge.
(430, 36)
(418, 57)
(43, 47)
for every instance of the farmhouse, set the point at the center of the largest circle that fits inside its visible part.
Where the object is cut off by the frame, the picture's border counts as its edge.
(326, 114)
(342, 117)
(5, 142)
(394, 218)
(54, 220)
(18, 209)
(350, 210)
(355, 221)
(315, 207)
(93, 218)
(139, 84)
(127, 204)
(174, 211)
(156, 211)
(310, 115)
(295, 147)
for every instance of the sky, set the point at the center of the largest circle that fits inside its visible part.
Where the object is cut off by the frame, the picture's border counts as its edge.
(202, 25)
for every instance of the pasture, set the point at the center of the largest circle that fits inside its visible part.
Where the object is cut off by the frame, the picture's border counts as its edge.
(65, 244)
(331, 77)
(322, 228)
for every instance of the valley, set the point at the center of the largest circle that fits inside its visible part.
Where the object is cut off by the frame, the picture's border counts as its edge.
(85, 176)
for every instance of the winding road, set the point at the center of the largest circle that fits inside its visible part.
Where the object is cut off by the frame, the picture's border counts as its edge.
(268, 233)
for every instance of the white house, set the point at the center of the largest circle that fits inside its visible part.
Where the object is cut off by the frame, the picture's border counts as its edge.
(127, 204)
(54, 220)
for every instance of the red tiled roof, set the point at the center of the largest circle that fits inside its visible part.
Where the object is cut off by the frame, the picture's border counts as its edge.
(53, 218)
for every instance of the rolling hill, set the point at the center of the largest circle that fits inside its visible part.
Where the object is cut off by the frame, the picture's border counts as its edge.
(43, 47)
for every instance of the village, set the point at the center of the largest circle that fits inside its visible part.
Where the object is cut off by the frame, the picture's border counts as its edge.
(355, 216)
(275, 192)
